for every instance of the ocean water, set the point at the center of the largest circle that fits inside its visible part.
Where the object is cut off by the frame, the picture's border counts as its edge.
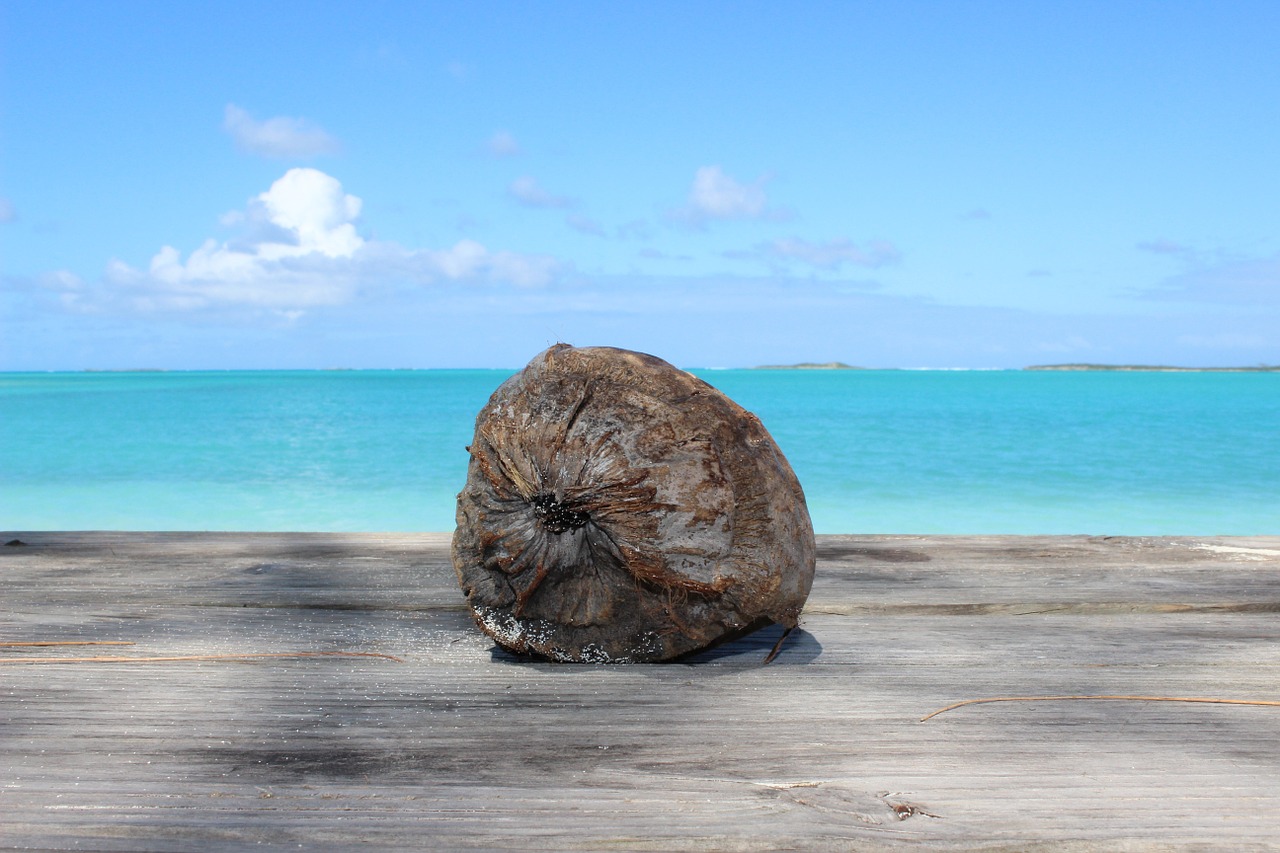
(1118, 453)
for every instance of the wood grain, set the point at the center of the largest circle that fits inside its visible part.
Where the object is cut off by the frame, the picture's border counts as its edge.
(463, 746)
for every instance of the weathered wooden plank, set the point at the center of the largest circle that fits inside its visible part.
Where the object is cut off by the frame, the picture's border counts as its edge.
(461, 746)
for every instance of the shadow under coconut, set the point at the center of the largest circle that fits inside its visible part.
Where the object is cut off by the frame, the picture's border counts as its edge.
(798, 649)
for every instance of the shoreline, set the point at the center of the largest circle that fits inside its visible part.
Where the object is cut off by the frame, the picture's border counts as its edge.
(800, 366)
(1154, 368)
(1124, 368)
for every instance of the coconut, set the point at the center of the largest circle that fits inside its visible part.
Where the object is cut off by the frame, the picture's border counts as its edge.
(620, 509)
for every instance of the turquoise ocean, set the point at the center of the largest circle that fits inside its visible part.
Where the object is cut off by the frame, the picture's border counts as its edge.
(877, 451)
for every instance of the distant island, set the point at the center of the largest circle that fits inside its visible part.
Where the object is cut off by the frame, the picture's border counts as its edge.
(1262, 368)
(809, 365)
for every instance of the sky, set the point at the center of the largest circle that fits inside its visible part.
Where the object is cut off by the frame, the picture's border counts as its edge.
(234, 185)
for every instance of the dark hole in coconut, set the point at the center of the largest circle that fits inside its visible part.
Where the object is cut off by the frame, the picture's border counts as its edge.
(554, 515)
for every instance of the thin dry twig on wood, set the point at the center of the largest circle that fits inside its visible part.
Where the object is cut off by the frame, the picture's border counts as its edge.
(224, 657)
(777, 647)
(1203, 700)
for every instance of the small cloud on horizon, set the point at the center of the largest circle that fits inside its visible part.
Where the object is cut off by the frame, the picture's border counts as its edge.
(502, 144)
(278, 137)
(384, 55)
(1165, 247)
(651, 254)
(716, 195)
(528, 192)
(1224, 341)
(635, 229)
(832, 254)
(1252, 282)
(828, 255)
(584, 225)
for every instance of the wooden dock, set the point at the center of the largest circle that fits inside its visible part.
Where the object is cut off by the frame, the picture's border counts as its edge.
(328, 691)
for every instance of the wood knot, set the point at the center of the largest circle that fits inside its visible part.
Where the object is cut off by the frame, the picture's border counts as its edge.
(554, 515)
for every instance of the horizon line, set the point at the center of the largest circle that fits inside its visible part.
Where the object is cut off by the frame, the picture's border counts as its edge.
(798, 367)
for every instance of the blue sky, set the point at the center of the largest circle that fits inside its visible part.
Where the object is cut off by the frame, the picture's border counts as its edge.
(315, 185)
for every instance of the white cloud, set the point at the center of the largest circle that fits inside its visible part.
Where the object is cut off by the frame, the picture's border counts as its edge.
(463, 260)
(281, 136)
(297, 251)
(503, 144)
(7, 213)
(298, 248)
(530, 193)
(832, 254)
(62, 281)
(716, 195)
(312, 205)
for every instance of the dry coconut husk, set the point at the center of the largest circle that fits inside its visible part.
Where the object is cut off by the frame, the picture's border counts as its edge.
(619, 509)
